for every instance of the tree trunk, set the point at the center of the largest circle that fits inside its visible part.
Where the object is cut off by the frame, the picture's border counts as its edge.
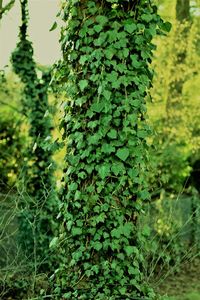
(182, 10)
(106, 70)
(39, 209)
(174, 101)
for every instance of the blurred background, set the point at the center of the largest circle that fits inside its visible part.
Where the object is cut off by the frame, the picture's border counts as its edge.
(172, 220)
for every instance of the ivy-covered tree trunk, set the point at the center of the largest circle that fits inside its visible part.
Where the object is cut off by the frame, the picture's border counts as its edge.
(39, 202)
(106, 54)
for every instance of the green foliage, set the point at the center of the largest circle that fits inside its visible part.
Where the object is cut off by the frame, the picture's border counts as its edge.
(12, 137)
(107, 50)
(40, 202)
(11, 150)
(177, 123)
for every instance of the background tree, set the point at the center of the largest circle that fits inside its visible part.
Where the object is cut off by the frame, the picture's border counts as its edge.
(182, 10)
(40, 202)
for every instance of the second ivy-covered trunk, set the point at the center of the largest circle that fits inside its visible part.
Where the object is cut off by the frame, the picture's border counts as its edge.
(38, 202)
(107, 50)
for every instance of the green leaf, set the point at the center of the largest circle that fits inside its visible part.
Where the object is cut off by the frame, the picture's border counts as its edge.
(133, 271)
(116, 232)
(122, 291)
(53, 242)
(147, 17)
(104, 171)
(53, 27)
(102, 20)
(123, 153)
(83, 84)
(76, 231)
(126, 52)
(83, 59)
(98, 28)
(109, 53)
(77, 195)
(97, 107)
(117, 168)
(146, 230)
(94, 139)
(130, 250)
(107, 94)
(133, 173)
(126, 229)
(130, 28)
(97, 246)
(135, 61)
(107, 148)
(112, 134)
(166, 26)
(73, 186)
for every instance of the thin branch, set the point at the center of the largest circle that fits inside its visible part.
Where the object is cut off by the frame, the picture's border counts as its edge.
(7, 7)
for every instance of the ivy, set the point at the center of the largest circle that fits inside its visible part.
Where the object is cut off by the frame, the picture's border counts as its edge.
(38, 207)
(107, 51)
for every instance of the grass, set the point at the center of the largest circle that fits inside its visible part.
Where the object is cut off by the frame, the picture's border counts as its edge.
(189, 296)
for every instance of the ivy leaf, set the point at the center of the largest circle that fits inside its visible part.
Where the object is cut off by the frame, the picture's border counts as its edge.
(83, 84)
(116, 168)
(122, 291)
(125, 52)
(53, 242)
(116, 232)
(98, 28)
(126, 229)
(133, 173)
(130, 28)
(133, 271)
(146, 230)
(146, 17)
(83, 59)
(107, 148)
(123, 154)
(112, 134)
(97, 246)
(97, 107)
(53, 27)
(102, 20)
(130, 250)
(109, 53)
(136, 64)
(166, 26)
(104, 171)
(107, 94)
(76, 231)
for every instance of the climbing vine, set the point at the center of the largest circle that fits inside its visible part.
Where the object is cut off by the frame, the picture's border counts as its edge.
(105, 72)
(37, 224)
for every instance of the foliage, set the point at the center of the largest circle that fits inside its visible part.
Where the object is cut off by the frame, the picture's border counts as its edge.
(105, 72)
(12, 135)
(177, 124)
(11, 150)
(39, 206)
